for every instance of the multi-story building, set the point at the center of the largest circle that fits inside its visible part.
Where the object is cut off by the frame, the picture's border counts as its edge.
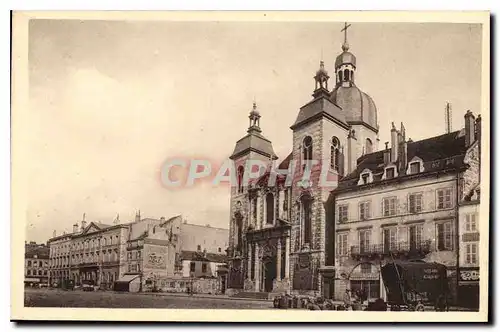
(144, 251)
(36, 264)
(95, 252)
(400, 203)
(469, 227)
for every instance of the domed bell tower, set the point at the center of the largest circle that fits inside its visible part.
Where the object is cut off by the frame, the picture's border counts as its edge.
(345, 64)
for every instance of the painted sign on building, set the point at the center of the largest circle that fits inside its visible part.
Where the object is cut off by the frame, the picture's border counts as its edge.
(155, 257)
(469, 274)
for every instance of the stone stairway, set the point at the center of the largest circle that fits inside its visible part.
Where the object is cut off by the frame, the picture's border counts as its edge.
(252, 295)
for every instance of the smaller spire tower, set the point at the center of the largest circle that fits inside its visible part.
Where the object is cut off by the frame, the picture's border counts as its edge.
(321, 80)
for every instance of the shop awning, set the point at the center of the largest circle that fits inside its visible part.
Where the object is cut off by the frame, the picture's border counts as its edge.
(128, 278)
(31, 279)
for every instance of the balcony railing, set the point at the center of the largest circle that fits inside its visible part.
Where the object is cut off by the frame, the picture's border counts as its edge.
(399, 248)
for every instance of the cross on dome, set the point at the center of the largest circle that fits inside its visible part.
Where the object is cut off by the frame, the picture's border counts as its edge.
(345, 46)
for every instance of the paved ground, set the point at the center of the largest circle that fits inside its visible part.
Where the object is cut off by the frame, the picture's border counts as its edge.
(100, 299)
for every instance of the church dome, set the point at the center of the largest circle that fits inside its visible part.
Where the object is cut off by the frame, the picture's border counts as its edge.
(356, 105)
(345, 58)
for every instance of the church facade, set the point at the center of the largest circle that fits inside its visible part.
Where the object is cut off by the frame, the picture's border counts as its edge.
(278, 232)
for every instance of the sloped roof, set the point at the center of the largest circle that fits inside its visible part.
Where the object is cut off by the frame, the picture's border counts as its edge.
(320, 106)
(170, 219)
(254, 141)
(439, 153)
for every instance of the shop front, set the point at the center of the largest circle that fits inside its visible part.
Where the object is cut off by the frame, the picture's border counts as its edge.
(468, 283)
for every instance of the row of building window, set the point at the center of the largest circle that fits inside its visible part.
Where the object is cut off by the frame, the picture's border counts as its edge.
(36, 263)
(86, 244)
(444, 239)
(390, 172)
(192, 267)
(198, 248)
(107, 256)
(390, 204)
(36, 272)
(134, 255)
(134, 268)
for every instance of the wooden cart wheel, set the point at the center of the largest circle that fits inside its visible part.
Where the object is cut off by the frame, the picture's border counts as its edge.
(420, 307)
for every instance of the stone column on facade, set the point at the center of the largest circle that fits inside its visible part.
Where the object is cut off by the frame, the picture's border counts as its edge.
(287, 257)
(278, 260)
(257, 267)
(249, 261)
(281, 200)
(258, 221)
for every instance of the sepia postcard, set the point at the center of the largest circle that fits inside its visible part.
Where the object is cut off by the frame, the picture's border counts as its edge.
(250, 166)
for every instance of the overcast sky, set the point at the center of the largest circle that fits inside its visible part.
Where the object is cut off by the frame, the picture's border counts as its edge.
(111, 101)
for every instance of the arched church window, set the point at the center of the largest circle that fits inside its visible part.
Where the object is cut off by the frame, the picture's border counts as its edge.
(306, 203)
(335, 154)
(269, 208)
(240, 179)
(307, 148)
(346, 74)
(368, 146)
(352, 75)
(340, 75)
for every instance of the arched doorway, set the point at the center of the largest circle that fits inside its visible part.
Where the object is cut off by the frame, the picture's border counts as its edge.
(269, 272)
(365, 276)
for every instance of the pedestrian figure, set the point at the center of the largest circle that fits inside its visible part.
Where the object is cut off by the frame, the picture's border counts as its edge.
(347, 299)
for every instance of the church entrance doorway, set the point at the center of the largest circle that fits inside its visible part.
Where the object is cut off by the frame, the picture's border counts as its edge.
(269, 273)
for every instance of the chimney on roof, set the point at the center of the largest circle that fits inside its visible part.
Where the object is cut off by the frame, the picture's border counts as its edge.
(54, 234)
(387, 154)
(138, 216)
(84, 223)
(477, 127)
(403, 149)
(394, 143)
(75, 228)
(469, 128)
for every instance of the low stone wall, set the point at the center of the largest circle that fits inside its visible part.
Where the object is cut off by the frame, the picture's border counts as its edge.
(183, 285)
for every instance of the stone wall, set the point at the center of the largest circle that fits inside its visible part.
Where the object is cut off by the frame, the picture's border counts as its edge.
(199, 286)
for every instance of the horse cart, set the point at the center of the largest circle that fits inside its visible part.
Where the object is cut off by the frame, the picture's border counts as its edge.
(412, 285)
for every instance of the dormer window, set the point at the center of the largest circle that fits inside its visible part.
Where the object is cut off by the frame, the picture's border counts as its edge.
(390, 172)
(415, 166)
(365, 177)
